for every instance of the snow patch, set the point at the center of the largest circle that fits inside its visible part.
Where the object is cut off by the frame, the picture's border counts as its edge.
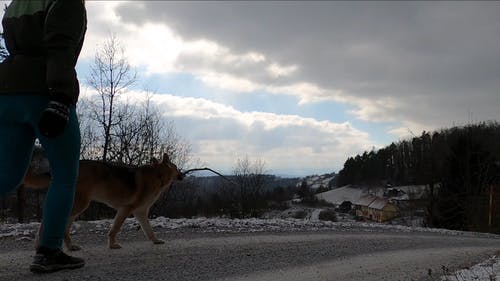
(488, 270)
(18, 229)
(236, 225)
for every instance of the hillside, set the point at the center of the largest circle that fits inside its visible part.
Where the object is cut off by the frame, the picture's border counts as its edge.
(325, 181)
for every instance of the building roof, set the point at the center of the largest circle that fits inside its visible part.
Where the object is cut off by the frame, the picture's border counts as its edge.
(378, 203)
(341, 194)
(413, 191)
(365, 200)
(365, 195)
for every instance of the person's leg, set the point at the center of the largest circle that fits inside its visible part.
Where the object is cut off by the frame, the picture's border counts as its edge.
(63, 153)
(19, 117)
(17, 138)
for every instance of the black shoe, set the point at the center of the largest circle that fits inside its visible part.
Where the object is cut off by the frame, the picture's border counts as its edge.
(50, 260)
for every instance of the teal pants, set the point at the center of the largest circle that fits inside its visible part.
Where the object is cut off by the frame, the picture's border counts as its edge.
(19, 117)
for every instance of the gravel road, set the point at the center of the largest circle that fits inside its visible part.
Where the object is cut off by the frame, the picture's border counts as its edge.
(291, 255)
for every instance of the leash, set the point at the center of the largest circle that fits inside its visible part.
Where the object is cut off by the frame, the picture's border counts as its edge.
(213, 171)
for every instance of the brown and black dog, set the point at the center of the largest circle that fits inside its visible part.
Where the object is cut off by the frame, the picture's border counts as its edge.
(129, 190)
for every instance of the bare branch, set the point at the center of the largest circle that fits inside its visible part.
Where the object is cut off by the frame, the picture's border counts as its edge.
(213, 171)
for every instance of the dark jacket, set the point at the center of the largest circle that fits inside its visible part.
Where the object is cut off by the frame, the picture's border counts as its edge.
(44, 39)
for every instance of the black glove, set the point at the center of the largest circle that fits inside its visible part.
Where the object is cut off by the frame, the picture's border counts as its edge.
(55, 117)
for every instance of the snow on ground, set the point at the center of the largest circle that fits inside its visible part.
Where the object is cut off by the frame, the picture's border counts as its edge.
(237, 225)
(18, 229)
(487, 270)
(341, 194)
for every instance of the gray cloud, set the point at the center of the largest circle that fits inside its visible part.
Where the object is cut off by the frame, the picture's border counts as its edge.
(436, 60)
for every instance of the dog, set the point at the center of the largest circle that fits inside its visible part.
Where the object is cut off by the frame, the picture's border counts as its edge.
(129, 190)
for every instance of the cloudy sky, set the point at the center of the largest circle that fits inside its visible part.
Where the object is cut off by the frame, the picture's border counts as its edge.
(304, 85)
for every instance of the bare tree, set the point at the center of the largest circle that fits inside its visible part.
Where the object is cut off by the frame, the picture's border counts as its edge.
(127, 132)
(3, 51)
(110, 76)
(144, 134)
(251, 179)
(89, 137)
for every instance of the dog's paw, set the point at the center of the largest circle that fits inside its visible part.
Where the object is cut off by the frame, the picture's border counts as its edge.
(115, 246)
(158, 241)
(75, 248)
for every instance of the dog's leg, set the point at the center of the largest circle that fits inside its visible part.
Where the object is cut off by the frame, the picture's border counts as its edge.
(81, 204)
(120, 217)
(67, 238)
(37, 238)
(142, 217)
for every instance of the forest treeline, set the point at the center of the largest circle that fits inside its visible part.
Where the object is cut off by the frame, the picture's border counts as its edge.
(460, 166)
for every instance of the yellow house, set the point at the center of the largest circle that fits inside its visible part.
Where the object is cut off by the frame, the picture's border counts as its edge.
(375, 208)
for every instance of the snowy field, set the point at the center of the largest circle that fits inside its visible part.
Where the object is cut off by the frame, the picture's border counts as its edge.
(487, 270)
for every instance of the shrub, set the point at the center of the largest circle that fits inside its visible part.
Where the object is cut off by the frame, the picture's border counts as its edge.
(328, 215)
(300, 214)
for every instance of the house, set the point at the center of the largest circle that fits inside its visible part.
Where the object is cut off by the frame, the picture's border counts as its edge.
(369, 201)
(375, 208)
(361, 205)
(412, 200)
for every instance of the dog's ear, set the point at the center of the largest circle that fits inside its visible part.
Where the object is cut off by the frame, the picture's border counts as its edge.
(154, 161)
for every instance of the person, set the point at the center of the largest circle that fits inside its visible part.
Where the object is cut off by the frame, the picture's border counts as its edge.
(38, 95)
